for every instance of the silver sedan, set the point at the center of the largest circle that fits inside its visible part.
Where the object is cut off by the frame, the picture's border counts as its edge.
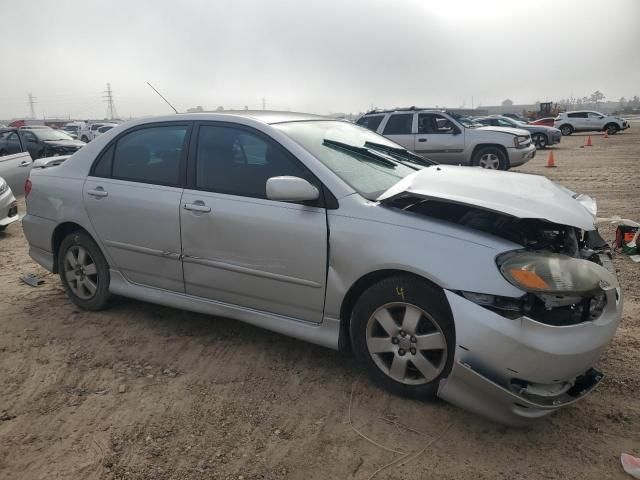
(489, 289)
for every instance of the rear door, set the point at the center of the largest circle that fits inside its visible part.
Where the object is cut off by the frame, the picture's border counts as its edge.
(133, 195)
(439, 139)
(399, 127)
(578, 120)
(240, 247)
(15, 161)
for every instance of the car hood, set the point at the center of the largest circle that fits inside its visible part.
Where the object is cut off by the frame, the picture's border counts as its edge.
(64, 143)
(520, 195)
(512, 131)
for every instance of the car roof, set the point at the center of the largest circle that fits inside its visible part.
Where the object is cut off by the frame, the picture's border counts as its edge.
(404, 110)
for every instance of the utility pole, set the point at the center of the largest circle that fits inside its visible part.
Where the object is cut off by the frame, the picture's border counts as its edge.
(111, 108)
(32, 102)
(264, 103)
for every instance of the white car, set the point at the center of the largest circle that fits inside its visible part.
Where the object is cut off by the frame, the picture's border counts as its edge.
(589, 121)
(104, 128)
(88, 133)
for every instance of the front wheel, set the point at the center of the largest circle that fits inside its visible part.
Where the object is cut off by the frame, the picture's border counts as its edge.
(491, 158)
(611, 128)
(84, 139)
(84, 271)
(403, 335)
(539, 140)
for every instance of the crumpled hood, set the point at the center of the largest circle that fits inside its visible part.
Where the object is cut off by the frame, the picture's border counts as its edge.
(517, 194)
(512, 131)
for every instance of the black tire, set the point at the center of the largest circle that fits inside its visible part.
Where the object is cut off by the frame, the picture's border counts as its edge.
(414, 292)
(100, 298)
(84, 139)
(540, 140)
(485, 156)
(566, 129)
(611, 128)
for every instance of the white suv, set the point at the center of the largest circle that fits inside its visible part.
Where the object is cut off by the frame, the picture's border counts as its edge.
(588, 121)
(450, 138)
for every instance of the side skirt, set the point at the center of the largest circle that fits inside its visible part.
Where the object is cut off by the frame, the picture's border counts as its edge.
(325, 333)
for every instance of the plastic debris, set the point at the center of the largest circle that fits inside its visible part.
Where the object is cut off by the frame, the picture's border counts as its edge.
(32, 280)
(631, 465)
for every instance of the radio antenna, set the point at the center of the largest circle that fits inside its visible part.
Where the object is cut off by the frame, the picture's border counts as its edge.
(162, 97)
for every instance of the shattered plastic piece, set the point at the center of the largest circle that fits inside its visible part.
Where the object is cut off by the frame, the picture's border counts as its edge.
(32, 280)
(635, 258)
(631, 465)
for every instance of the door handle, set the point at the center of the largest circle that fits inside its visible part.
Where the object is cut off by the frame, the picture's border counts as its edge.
(24, 164)
(422, 139)
(97, 192)
(197, 207)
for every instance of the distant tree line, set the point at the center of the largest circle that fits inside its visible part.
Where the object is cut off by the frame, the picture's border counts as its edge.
(597, 97)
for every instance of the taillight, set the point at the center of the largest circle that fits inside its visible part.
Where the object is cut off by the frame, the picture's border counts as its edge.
(27, 188)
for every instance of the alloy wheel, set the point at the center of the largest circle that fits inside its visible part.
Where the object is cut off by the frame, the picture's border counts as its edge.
(490, 161)
(81, 272)
(540, 140)
(406, 343)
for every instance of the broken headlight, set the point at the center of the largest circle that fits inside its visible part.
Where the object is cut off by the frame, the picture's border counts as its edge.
(544, 272)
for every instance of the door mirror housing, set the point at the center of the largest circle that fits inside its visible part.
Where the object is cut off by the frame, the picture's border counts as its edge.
(291, 189)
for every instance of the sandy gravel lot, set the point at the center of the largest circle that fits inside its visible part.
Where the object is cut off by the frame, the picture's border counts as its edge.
(146, 392)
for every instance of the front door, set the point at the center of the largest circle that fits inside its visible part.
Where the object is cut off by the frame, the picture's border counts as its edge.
(240, 247)
(133, 195)
(438, 139)
(15, 161)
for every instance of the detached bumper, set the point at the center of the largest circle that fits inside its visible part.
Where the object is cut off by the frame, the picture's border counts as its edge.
(515, 371)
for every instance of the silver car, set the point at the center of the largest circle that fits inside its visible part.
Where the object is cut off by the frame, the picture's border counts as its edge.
(8, 205)
(489, 289)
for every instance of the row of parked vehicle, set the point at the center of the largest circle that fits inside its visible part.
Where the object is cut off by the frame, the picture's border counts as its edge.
(495, 142)
(86, 132)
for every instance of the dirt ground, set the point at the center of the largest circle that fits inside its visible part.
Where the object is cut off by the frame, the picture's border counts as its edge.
(146, 392)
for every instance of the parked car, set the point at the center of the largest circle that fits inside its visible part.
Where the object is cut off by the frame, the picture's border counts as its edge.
(541, 136)
(547, 122)
(588, 121)
(8, 205)
(88, 132)
(104, 128)
(491, 290)
(515, 116)
(15, 161)
(49, 142)
(73, 128)
(453, 139)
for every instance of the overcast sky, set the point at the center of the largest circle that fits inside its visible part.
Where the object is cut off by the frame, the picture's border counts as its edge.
(318, 56)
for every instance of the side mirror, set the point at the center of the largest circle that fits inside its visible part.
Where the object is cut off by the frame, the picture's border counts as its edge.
(291, 189)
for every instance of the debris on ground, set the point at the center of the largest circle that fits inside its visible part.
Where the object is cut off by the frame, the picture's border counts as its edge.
(631, 465)
(32, 280)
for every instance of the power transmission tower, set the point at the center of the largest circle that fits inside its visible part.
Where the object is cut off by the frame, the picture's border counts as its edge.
(111, 108)
(32, 102)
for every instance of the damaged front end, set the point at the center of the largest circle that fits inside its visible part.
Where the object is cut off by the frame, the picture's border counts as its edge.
(520, 358)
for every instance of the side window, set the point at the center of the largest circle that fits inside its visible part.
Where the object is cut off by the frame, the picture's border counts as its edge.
(399, 124)
(434, 124)
(236, 162)
(372, 122)
(577, 115)
(29, 137)
(104, 164)
(594, 115)
(149, 155)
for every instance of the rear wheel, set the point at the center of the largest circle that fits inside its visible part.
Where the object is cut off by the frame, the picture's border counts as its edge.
(84, 139)
(566, 129)
(611, 128)
(84, 271)
(540, 140)
(491, 158)
(402, 333)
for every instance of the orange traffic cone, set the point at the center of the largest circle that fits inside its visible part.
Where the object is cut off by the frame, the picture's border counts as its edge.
(551, 161)
(588, 144)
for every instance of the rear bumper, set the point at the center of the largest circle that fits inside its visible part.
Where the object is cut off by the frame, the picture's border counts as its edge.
(515, 371)
(520, 156)
(39, 232)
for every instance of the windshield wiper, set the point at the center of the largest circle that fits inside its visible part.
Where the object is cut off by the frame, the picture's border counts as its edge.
(402, 153)
(365, 152)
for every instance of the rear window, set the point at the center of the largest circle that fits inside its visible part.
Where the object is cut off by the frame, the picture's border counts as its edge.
(399, 124)
(371, 122)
